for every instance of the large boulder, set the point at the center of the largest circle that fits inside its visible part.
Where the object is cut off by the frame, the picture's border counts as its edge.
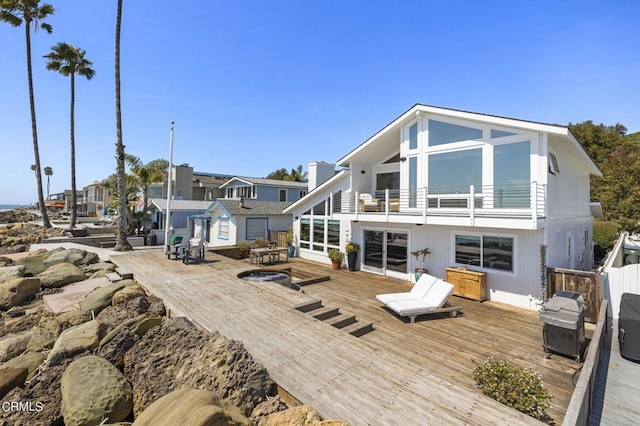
(45, 334)
(115, 349)
(10, 272)
(138, 325)
(60, 275)
(113, 316)
(127, 293)
(29, 360)
(92, 268)
(303, 415)
(11, 377)
(90, 258)
(100, 298)
(201, 407)
(64, 256)
(177, 355)
(42, 395)
(72, 318)
(93, 390)
(14, 344)
(23, 323)
(75, 340)
(17, 291)
(34, 261)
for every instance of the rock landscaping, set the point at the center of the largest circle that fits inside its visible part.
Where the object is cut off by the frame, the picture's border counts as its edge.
(117, 359)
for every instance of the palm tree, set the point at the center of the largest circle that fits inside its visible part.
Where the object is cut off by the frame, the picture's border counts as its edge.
(144, 175)
(48, 171)
(15, 12)
(69, 61)
(121, 241)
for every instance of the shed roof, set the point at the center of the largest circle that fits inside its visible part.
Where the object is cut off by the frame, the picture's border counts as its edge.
(250, 207)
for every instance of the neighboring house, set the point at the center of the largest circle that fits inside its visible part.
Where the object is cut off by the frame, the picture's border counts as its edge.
(181, 211)
(481, 192)
(264, 189)
(229, 221)
(190, 185)
(95, 199)
(68, 200)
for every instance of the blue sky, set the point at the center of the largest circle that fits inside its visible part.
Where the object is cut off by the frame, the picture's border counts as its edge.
(254, 86)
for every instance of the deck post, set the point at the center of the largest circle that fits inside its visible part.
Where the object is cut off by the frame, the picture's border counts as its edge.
(386, 203)
(425, 201)
(534, 202)
(355, 203)
(472, 204)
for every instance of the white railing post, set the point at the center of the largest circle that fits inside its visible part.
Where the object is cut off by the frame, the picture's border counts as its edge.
(425, 202)
(355, 203)
(386, 203)
(472, 204)
(534, 202)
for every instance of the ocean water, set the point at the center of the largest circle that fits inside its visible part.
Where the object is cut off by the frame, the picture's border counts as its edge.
(4, 207)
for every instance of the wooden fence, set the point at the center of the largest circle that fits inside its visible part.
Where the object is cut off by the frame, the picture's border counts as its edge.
(583, 282)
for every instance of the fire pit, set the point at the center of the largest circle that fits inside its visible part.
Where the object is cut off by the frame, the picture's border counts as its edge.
(265, 275)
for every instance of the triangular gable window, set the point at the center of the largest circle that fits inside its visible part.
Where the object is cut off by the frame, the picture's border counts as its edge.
(442, 133)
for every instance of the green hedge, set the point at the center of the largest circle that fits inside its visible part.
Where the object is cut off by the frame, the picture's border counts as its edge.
(605, 234)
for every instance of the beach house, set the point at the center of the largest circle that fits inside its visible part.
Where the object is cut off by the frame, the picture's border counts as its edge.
(486, 194)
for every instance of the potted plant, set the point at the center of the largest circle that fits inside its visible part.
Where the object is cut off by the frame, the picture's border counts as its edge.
(336, 257)
(291, 237)
(420, 255)
(244, 247)
(352, 254)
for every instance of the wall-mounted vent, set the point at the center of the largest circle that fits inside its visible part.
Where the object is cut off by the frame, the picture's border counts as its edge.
(553, 164)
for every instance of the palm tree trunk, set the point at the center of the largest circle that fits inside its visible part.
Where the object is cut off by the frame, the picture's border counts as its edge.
(74, 196)
(34, 131)
(121, 242)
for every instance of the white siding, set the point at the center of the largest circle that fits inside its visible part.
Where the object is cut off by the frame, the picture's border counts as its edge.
(618, 281)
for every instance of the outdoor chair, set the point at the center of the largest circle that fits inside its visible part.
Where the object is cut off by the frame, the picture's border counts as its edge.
(177, 249)
(194, 252)
(434, 301)
(419, 290)
(368, 203)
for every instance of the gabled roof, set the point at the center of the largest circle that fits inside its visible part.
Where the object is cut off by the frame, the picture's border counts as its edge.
(311, 195)
(265, 182)
(188, 205)
(251, 207)
(379, 141)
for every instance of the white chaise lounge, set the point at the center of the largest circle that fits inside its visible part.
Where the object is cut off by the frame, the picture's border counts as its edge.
(419, 290)
(434, 301)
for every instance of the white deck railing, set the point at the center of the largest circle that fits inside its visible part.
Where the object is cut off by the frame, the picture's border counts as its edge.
(516, 201)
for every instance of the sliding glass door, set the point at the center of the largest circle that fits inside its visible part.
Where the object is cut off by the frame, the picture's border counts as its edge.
(386, 252)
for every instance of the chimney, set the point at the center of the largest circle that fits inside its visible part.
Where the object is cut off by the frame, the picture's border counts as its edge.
(320, 172)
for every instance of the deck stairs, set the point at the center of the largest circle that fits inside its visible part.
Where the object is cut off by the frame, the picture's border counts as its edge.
(344, 321)
(119, 275)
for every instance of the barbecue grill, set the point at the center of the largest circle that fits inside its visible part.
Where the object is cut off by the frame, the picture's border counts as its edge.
(563, 318)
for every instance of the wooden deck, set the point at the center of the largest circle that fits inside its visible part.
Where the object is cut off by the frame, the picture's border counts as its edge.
(400, 373)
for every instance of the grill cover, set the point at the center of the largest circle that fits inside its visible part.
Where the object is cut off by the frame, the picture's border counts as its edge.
(566, 309)
(629, 326)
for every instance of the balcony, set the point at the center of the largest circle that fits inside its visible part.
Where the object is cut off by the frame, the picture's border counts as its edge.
(515, 206)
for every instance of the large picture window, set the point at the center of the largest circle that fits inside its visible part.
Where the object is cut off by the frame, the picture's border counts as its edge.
(305, 233)
(486, 251)
(256, 228)
(319, 234)
(453, 172)
(511, 175)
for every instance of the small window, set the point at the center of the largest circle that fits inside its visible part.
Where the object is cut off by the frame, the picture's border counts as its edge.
(303, 192)
(413, 136)
(553, 164)
(256, 228)
(223, 228)
(230, 192)
(283, 195)
(500, 134)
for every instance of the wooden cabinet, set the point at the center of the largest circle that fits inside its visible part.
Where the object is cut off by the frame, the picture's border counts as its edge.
(469, 284)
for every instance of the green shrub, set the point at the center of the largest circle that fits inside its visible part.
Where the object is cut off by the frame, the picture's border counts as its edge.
(335, 254)
(514, 386)
(605, 234)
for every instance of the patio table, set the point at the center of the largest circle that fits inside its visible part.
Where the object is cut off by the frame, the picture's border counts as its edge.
(256, 255)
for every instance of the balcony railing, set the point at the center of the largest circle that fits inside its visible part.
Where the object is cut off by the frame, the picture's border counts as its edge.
(513, 201)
